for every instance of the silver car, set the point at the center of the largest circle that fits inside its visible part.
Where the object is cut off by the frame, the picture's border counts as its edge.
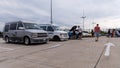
(54, 32)
(24, 32)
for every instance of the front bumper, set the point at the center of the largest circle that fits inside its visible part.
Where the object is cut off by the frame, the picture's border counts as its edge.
(39, 40)
(64, 38)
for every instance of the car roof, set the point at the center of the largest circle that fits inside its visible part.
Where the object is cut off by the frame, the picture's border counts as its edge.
(48, 25)
(17, 22)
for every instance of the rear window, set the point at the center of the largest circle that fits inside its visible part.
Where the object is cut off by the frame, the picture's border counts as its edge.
(13, 26)
(6, 28)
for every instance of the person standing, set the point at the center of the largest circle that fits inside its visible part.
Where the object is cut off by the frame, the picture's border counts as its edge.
(109, 34)
(79, 35)
(92, 32)
(97, 32)
(73, 29)
(113, 33)
(111, 30)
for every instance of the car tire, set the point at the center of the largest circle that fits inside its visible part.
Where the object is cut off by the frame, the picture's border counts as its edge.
(7, 39)
(56, 38)
(26, 40)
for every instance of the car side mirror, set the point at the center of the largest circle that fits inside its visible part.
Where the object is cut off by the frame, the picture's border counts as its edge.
(21, 28)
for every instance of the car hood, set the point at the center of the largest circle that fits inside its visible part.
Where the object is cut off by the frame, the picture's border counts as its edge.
(36, 31)
(60, 31)
(86, 34)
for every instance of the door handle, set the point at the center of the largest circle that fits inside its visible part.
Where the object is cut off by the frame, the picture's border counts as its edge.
(15, 32)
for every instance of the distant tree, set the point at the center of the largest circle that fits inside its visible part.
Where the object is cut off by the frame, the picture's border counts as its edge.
(103, 33)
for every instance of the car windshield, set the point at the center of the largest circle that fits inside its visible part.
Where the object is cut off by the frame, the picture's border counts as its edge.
(56, 28)
(31, 26)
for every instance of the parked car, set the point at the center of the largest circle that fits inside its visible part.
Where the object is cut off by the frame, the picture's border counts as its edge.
(117, 33)
(24, 32)
(86, 34)
(54, 32)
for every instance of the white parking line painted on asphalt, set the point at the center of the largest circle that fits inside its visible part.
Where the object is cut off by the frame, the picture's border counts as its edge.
(6, 48)
(54, 46)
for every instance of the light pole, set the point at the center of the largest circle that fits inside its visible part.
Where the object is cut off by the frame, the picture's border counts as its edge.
(83, 17)
(51, 21)
(93, 24)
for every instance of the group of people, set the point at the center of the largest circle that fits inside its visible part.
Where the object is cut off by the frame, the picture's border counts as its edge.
(113, 33)
(75, 32)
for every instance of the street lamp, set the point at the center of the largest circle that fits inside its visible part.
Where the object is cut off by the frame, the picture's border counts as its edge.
(93, 24)
(83, 17)
(51, 21)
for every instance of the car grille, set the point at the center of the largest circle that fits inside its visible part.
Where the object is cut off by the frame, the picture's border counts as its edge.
(42, 35)
(65, 35)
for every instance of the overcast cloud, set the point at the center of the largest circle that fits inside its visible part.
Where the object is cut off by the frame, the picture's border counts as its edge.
(65, 12)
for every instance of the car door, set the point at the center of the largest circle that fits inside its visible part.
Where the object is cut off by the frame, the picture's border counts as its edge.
(20, 32)
(12, 31)
(6, 30)
(50, 31)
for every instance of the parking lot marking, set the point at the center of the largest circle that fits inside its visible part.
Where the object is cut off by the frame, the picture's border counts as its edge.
(6, 48)
(54, 46)
(108, 45)
(99, 57)
(107, 52)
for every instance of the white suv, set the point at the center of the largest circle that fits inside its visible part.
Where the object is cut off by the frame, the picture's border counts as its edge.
(24, 32)
(54, 32)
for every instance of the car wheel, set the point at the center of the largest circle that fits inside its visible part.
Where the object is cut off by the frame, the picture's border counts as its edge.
(26, 41)
(56, 38)
(7, 39)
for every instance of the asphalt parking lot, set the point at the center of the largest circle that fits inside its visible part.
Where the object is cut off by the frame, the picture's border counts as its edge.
(67, 54)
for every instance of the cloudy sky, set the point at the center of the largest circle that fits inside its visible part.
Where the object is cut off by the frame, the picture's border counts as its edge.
(66, 13)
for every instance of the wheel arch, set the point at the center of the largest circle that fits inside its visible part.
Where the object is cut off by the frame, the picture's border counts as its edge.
(56, 38)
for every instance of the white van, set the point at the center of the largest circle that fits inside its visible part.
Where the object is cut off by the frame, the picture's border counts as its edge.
(54, 32)
(24, 32)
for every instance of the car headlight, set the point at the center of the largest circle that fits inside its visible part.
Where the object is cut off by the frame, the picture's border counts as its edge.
(34, 35)
(62, 35)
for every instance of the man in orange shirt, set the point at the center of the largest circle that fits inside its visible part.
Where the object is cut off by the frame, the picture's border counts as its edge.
(97, 32)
